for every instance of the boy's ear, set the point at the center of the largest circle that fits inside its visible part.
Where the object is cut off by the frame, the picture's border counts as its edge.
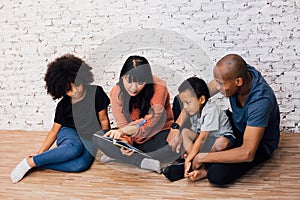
(202, 99)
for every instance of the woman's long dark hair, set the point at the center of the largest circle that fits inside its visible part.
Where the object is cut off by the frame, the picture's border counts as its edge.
(137, 69)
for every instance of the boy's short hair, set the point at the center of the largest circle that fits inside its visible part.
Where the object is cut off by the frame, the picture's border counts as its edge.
(65, 70)
(196, 85)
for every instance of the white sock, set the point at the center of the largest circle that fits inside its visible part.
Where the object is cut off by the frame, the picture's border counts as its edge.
(104, 159)
(151, 164)
(21, 169)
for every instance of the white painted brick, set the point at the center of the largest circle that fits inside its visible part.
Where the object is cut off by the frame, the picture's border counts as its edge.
(288, 123)
(293, 117)
(34, 33)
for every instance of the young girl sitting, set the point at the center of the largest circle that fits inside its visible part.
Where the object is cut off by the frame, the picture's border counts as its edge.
(81, 112)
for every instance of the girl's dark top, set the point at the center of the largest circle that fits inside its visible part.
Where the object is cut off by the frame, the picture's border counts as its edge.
(83, 116)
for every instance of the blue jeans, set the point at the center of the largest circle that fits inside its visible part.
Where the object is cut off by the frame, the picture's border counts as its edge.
(70, 155)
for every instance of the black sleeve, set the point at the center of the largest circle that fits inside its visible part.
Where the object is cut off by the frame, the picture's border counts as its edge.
(102, 101)
(59, 113)
(176, 107)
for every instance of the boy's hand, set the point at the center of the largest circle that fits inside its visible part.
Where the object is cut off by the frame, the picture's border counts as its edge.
(187, 168)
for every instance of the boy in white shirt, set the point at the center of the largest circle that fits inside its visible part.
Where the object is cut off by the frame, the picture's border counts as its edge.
(208, 122)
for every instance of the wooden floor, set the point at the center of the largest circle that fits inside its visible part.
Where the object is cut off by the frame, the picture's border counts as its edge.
(279, 178)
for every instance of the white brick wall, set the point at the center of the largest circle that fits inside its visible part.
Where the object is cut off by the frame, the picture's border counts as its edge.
(265, 32)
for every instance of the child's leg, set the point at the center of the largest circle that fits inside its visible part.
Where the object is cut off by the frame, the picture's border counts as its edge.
(188, 137)
(78, 164)
(221, 144)
(69, 147)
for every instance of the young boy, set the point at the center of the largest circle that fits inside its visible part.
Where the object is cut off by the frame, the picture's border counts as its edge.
(208, 122)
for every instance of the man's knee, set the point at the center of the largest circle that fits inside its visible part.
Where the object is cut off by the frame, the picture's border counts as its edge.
(218, 181)
(216, 175)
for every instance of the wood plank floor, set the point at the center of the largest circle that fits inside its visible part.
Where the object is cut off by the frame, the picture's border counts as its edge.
(279, 178)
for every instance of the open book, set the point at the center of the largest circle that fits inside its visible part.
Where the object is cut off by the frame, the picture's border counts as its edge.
(123, 144)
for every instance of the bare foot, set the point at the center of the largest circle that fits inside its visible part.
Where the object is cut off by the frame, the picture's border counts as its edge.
(198, 174)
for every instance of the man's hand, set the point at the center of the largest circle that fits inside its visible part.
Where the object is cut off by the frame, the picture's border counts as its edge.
(197, 161)
(175, 140)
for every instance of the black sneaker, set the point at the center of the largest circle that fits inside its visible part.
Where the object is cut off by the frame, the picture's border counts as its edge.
(174, 172)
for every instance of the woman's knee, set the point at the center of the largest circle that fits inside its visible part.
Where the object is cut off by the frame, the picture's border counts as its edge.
(98, 142)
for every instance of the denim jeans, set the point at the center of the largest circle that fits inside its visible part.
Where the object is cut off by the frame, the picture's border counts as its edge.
(70, 155)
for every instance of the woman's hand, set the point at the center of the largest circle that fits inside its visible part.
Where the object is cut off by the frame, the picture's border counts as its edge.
(115, 134)
(126, 152)
(175, 140)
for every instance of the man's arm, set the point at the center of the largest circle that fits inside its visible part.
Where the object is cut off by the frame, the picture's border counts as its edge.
(244, 153)
(212, 87)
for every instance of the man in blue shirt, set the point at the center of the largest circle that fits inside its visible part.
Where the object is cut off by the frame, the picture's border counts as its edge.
(255, 115)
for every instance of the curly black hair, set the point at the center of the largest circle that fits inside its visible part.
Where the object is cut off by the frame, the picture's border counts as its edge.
(138, 69)
(65, 70)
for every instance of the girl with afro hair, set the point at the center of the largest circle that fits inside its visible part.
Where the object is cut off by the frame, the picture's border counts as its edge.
(81, 112)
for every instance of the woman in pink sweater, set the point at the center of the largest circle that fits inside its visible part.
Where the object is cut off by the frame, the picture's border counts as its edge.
(140, 96)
